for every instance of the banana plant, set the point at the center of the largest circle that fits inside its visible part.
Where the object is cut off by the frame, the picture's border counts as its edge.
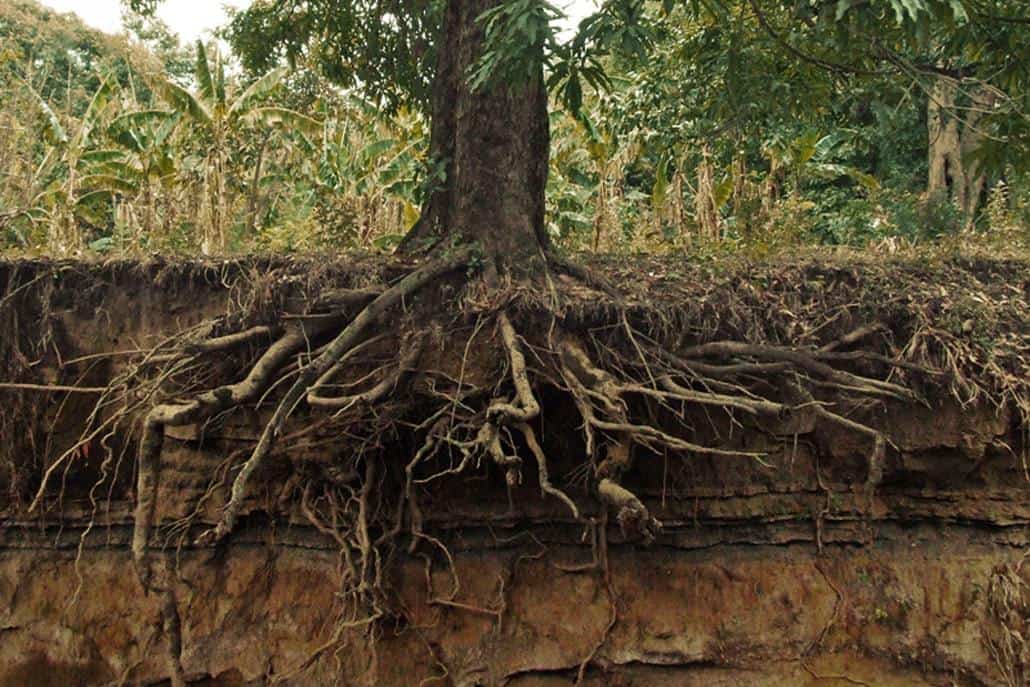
(64, 188)
(589, 159)
(217, 115)
(811, 156)
(145, 159)
(377, 164)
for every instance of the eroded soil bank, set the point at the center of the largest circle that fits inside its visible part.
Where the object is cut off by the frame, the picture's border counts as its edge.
(796, 569)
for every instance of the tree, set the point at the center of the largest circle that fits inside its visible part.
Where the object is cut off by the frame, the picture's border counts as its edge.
(624, 372)
(490, 143)
(479, 68)
(743, 73)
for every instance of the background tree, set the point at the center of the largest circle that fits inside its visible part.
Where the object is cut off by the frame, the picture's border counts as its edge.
(630, 168)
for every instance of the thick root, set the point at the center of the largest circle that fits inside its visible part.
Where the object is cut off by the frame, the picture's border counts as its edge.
(631, 513)
(622, 397)
(351, 336)
(201, 408)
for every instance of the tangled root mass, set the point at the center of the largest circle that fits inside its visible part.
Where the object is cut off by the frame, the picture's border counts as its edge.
(438, 377)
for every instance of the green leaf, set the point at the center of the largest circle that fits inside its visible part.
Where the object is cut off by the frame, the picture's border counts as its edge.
(90, 118)
(260, 87)
(376, 148)
(202, 71)
(52, 129)
(108, 182)
(143, 119)
(102, 245)
(722, 192)
(101, 195)
(287, 117)
(388, 242)
(129, 139)
(959, 11)
(843, 6)
(184, 101)
(410, 213)
(661, 183)
(101, 156)
(219, 81)
(805, 147)
(573, 94)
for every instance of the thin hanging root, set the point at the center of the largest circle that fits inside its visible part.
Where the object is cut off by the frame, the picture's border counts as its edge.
(54, 388)
(854, 336)
(646, 434)
(351, 336)
(754, 406)
(229, 341)
(338, 367)
(780, 360)
(594, 383)
(427, 450)
(802, 361)
(876, 457)
(541, 462)
(173, 632)
(214, 345)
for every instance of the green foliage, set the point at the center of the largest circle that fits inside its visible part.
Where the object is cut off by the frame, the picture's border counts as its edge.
(386, 48)
(716, 125)
(517, 34)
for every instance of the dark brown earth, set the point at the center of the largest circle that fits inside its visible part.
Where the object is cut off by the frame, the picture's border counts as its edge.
(780, 574)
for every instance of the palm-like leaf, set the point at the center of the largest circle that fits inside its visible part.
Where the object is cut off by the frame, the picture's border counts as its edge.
(110, 182)
(184, 101)
(257, 89)
(219, 82)
(142, 120)
(93, 113)
(143, 130)
(202, 71)
(101, 156)
(52, 129)
(286, 117)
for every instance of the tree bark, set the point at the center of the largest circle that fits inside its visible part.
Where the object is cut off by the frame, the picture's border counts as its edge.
(492, 145)
(953, 174)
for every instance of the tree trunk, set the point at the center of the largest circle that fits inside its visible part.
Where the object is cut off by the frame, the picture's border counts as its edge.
(492, 145)
(947, 175)
(953, 174)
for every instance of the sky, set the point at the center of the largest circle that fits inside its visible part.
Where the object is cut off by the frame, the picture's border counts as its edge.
(189, 18)
(192, 18)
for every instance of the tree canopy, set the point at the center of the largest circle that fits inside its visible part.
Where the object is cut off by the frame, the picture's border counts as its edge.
(390, 48)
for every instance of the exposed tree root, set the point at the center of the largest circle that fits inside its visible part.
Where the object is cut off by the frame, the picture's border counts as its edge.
(173, 633)
(201, 408)
(484, 411)
(344, 341)
(1005, 635)
(543, 474)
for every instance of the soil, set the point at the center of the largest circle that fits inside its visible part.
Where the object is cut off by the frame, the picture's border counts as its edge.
(796, 569)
